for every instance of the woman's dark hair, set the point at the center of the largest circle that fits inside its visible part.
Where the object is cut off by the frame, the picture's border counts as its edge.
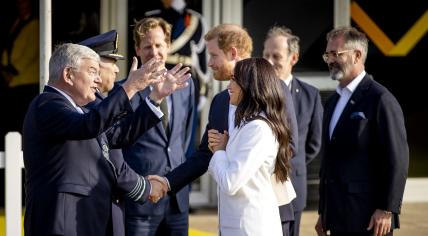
(262, 92)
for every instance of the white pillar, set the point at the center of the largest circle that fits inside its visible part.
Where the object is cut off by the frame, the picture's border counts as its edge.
(13, 183)
(342, 13)
(114, 15)
(45, 40)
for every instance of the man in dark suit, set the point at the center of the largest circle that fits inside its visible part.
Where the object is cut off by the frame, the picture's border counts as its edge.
(365, 153)
(281, 49)
(235, 45)
(69, 173)
(166, 143)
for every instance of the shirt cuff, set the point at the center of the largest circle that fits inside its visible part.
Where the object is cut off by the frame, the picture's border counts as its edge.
(154, 108)
(167, 182)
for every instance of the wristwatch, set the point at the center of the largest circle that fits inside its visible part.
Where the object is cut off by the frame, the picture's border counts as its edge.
(153, 102)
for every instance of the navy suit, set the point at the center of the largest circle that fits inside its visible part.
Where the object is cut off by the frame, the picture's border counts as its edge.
(156, 153)
(308, 108)
(124, 174)
(197, 165)
(69, 176)
(365, 162)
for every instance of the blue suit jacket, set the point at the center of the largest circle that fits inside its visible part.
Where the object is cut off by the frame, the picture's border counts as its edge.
(308, 108)
(129, 127)
(156, 154)
(365, 162)
(69, 181)
(198, 163)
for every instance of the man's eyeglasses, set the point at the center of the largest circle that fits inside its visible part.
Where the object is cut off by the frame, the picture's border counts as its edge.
(334, 54)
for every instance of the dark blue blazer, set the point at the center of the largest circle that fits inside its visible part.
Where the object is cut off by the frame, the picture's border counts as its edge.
(308, 108)
(364, 164)
(198, 163)
(69, 181)
(154, 153)
(129, 127)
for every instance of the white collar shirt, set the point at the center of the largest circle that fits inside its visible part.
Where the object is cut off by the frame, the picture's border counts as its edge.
(344, 93)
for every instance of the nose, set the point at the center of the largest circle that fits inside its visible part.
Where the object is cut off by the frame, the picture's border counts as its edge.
(269, 59)
(116, 68)
(152, 52)
(98, 79)
(210, 63)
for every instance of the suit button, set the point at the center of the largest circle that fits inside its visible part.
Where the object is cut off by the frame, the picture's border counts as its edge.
(169, 149)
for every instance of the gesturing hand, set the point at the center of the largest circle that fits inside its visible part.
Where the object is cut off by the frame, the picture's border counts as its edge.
(173, 80)
(216, 140)
(138, 79)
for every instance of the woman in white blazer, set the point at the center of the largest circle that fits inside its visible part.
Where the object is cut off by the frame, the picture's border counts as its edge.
(257, 149)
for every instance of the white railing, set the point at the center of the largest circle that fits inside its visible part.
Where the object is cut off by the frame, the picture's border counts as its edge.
(12, 161)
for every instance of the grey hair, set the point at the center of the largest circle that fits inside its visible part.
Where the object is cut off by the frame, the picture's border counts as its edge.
(292, 40)
(68, 55)
(354, 39)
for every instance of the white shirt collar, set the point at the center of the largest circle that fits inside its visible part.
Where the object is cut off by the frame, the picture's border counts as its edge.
(353, 85)
(68, 98)
(287, 81)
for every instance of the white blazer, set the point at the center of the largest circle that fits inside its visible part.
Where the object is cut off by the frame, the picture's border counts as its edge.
(247, 203)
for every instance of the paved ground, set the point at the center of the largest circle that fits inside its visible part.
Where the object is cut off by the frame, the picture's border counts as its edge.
(414, 221)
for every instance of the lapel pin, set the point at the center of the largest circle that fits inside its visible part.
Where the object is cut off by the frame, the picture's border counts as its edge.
(352, 102)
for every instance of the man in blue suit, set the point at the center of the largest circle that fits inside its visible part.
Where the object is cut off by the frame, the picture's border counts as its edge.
(281, 49)
(365, 156)
(70, 175)
(226, 44)
(163, 147)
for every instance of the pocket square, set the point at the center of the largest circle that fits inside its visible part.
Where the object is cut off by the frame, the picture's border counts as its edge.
(359, 115)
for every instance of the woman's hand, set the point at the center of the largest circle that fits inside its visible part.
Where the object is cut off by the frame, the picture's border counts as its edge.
(216, 140)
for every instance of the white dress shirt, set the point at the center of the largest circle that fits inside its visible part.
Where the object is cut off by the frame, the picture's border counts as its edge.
(344, 93)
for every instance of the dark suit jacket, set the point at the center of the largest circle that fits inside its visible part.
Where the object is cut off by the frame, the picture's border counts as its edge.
(69, 180)
(129, 127)
(308, 108)
(198, 163)
(364, 165)
(156, 154)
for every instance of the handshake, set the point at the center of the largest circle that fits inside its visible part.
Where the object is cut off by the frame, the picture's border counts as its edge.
(160, 187)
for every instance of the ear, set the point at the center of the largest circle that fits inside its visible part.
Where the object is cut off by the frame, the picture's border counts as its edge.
(233, 52)
(137, 51)
(67, 75)
(294, 58)
(358, 56)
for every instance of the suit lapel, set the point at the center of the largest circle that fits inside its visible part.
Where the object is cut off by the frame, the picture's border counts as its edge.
(356, 97)
(295, 92)
(328, 113)
(141, 98)
(175, 99)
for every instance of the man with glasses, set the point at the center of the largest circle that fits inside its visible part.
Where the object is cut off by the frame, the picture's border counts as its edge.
(365, 153)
